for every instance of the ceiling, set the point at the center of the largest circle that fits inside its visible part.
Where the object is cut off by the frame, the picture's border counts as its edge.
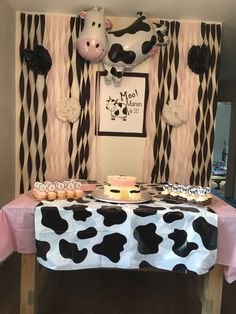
(204, 10)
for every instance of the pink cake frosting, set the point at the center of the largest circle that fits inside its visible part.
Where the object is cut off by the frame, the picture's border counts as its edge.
(121, 180)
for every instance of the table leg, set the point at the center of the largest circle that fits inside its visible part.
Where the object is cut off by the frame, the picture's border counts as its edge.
(212, 291)
(28, 304)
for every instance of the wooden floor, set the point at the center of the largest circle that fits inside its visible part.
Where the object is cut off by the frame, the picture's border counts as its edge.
(109, 292)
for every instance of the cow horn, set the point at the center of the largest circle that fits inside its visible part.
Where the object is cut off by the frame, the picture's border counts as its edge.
(102, 9)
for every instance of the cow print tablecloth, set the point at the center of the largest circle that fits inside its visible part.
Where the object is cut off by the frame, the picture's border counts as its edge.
(85, 233)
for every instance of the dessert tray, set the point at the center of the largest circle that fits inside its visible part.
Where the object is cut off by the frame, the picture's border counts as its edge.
(100, 196)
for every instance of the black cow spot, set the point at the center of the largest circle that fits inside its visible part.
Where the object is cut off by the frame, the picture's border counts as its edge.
(116, 73)
(52, 219)
(136, 26)
(111, 246)
(181, 246)
(87, 233)
(70, 250)
(211, 210)
(113, 215)
(120, 104)
(169, 201)
(160, 37)
(70, 200)
(186, 209)
(117, 112)
(124, 111)
(181, 268)
(80, 212)
(40, 204)
(172, 216)
(144, 211)
(81, 200)
(207, 232)
(148, 240)
(117, 53)
(42, 248)
(148, 45)
(145, 264)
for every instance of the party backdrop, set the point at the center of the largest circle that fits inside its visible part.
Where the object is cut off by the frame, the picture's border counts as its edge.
(54, 150)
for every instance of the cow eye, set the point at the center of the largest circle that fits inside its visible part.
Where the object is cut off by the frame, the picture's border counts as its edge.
(97, 45)
(88, 43)
(93, 23)
(99, 25)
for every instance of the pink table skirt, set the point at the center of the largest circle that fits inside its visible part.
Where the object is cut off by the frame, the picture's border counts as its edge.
(17, 231)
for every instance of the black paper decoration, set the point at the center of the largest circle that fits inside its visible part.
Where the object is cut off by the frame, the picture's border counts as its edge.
(38, 60)
(199, 59)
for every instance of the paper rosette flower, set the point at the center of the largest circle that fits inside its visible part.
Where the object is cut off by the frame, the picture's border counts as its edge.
(68, 110)
(174, 113)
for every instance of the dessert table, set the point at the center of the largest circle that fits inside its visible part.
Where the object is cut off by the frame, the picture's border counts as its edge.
(17, 233)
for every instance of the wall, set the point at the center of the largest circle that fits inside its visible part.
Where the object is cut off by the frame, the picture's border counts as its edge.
(7, 102)
(50, 149)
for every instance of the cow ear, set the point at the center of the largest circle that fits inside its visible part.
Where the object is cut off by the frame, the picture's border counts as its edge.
(82, 14)
(109, 24)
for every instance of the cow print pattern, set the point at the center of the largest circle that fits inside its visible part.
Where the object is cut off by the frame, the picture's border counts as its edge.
(84, 233)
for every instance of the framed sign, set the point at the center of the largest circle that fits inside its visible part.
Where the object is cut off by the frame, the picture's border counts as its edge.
(122, 110)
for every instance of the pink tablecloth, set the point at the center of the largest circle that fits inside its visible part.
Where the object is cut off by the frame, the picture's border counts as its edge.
(226, 237)
(17, 226)
(17, 231)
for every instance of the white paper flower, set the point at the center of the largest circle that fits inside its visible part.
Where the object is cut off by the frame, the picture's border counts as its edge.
(68, 110)
(175, 113)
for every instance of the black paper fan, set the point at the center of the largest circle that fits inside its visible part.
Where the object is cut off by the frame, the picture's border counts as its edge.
(199, 59)
(38, 60)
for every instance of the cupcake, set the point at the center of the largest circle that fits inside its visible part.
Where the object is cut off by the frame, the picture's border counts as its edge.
(174, 193)
(40, 195)
(208, 194)
(61, 192)
(191, 197)
(183, 194)
(78, 193)
(166, 190)
(51, 195)
(70, 190)
(201, 198)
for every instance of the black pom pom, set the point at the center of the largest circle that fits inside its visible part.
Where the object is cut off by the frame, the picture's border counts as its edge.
(38, 60)
(199, 59)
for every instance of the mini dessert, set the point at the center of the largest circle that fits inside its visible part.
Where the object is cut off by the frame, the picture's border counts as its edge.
(174, 193)
(166, 190)
(79, 193)
(40, 195)
(192, 196)
(51, 195)
(208, 194)
(183, 194)
(201, 198)
(70, 190)
(60, 190)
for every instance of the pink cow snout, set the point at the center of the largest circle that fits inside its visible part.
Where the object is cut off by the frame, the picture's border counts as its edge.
(91, 49)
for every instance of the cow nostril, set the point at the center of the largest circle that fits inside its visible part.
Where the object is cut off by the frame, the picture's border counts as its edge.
(97, 45)
(88, 43)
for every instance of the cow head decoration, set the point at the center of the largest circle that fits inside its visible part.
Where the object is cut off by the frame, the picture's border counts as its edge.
(92, 42)
(120, 49)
